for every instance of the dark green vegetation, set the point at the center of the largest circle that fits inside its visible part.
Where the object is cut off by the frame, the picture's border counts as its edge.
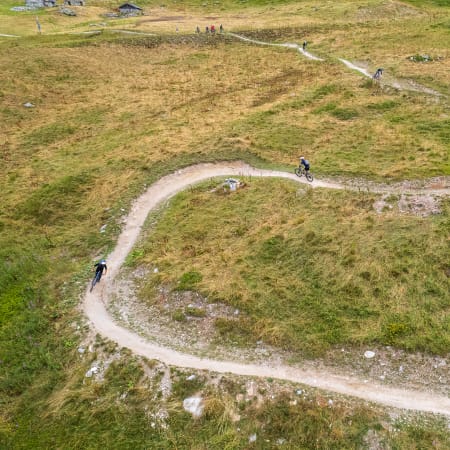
(308, 269)
(114, 113)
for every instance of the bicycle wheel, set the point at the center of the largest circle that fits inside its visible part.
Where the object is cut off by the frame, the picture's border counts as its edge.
(95, 280)
(309, 176)
(298, 171)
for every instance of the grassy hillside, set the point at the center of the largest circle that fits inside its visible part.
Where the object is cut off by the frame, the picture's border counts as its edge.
(112, 113)
(307, 269)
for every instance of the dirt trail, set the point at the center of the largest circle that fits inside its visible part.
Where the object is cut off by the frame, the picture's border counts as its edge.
(286, 45)
(403, 85)
(94, 304)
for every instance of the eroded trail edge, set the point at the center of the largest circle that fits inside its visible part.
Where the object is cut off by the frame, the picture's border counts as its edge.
(95, 304)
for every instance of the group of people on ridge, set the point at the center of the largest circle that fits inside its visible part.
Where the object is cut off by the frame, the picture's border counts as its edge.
(211, 29)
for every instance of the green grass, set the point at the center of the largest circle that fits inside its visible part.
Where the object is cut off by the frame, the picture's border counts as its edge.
(124, 411)
(199, 4)
(308, 270)
(103, 129)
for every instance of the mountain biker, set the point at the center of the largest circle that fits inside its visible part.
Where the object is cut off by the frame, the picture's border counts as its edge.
(305, 163)
(377, 74)
(99, 268)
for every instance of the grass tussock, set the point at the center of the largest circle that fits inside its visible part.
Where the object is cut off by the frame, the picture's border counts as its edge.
(125, 408)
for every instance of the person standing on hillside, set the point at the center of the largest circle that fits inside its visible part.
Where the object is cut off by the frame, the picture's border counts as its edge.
(304, 45)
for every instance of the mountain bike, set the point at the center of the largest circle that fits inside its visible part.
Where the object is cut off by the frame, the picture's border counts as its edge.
(299, 171)
(95, 280)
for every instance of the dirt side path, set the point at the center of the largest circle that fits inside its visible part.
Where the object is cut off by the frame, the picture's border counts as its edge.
(94, 304)
(403, 85)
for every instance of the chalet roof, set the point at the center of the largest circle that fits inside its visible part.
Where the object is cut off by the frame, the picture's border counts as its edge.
(130, 5)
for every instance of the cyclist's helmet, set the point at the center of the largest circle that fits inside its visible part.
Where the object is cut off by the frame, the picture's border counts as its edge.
(302, 157)
(103, 261)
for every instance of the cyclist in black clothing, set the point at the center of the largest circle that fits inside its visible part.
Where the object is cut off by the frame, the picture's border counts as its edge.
(305, 163)
(99, 268)
(377, 74)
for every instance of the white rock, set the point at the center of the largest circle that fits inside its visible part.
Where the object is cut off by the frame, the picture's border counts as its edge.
(194, 405)
(299, 392)
(252, 438)
(369, 354)
(103, 228)
(81, 350)
(155, 270)
(191, 377)
(28, 105)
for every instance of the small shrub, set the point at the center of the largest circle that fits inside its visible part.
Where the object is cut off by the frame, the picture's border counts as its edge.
(395, 328)
(272, 248)
(326, 108)
(238, 331)
(420, 58)
(325, 90)
(344, 113)
(179, 316)
(195, 312)
(134, 256)
(383, 106)
(188, 281)
(49, 134)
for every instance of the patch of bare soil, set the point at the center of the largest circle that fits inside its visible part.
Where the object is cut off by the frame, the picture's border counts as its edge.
(185, 321)
(180, 320)
(422, 205)
(436, 186)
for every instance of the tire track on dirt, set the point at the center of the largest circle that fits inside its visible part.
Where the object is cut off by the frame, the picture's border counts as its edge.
(94, 304)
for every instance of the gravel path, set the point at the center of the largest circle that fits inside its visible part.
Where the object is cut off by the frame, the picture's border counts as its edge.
(95, 303)
(402, 85)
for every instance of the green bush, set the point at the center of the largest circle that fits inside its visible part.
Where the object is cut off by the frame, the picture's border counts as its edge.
(344, 113)
(188, 281)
